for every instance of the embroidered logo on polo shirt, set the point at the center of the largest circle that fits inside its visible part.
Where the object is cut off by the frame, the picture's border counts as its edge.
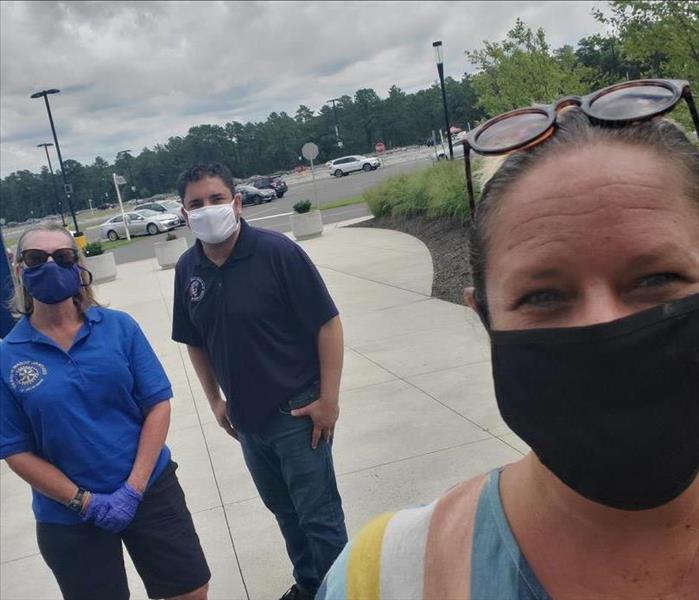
(196, 289)
(27, 375)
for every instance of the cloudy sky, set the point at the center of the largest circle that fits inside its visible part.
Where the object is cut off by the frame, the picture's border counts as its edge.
(132, 74)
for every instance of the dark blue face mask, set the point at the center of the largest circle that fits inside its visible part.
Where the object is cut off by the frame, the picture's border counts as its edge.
(51, 284)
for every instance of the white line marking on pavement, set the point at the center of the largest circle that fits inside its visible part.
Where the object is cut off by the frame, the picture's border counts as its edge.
(269, 217)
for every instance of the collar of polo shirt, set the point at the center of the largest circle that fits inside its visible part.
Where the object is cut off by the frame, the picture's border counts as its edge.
(244, 247)
(24, 332)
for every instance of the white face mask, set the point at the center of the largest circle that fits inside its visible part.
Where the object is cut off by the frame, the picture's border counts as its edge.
(213, 224)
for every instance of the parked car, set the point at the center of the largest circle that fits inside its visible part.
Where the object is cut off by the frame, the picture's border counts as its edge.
(443, 154)
(105, 206)
(270, 183)
(253, 195)
(172, 207)
(143, 222)
(346, 164)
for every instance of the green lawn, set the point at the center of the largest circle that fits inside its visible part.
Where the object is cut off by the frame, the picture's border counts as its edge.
(108, 245)
(344, 202)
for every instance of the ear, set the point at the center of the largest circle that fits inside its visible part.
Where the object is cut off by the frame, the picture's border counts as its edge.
(470, 298)
(472, 303)
(238, 204)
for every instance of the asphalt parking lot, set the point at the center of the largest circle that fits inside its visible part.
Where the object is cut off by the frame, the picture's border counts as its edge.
(275, 215)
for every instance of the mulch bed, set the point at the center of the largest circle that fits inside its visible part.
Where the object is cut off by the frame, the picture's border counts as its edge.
(447, 243)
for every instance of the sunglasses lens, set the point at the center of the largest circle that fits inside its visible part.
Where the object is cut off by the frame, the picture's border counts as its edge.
(65, 257)
(632, 102)
(518, 128)
(34, 258)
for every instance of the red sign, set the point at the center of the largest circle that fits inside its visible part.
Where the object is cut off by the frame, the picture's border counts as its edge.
(380, 148)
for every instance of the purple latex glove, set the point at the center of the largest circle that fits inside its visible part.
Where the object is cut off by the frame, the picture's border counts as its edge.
(114, 511)
(97, 508)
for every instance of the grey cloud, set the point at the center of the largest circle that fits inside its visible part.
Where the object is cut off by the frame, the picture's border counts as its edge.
(133, 74)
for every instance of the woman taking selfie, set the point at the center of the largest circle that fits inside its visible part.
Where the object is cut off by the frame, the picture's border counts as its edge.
(84, 413)
(585, 263)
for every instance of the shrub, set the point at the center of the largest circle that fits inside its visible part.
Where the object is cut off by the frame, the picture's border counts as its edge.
(93, 249)
(438, 191)
(303, 206)
(170, 236)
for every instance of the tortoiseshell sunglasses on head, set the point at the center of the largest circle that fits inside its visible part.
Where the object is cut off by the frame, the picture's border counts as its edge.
(617, 104)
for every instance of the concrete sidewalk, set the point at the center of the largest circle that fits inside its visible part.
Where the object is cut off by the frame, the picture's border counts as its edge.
(418, 414)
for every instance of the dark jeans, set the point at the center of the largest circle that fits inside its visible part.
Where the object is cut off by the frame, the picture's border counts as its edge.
(298, 485)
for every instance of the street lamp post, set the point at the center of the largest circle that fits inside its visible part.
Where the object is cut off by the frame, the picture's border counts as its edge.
(66, 186)
(59, 204)
(127, 156)
(439, 58)
(337, 124)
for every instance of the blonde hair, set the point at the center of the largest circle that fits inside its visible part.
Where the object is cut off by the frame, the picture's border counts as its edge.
(489, 165)
(22, 303)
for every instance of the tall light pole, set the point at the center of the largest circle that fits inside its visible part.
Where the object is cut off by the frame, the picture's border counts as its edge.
(439, 58)
(59, 204)
(66, 187)
(337, 124)
(127, 156)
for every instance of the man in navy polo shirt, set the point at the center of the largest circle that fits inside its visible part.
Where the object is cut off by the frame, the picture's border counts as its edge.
(260, 324)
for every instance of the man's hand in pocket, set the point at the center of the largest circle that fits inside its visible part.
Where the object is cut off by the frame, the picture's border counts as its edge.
(324, 413)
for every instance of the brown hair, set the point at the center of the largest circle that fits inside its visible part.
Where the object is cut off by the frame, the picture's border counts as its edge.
(22, 303)
(574, 130)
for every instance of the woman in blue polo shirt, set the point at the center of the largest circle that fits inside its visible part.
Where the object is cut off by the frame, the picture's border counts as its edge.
(84, 415)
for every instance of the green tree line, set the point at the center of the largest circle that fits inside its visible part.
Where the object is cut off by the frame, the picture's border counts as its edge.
(644, 39)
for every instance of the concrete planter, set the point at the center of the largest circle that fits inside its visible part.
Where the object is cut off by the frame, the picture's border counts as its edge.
(102, 267)
(168, 253)
(307, 225)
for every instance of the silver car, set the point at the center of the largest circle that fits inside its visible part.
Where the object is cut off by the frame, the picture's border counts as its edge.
(253, 195)
(172, 207)
(142, 222)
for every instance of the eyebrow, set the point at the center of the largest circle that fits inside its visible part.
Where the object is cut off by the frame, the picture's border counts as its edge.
(545, 274)
(640, 261)
(655, 255)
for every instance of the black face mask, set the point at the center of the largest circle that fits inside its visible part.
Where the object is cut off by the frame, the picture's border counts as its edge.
(611, 409)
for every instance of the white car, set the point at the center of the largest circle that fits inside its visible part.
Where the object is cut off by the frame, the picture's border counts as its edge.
(346, 164)
(144, 222)
(444, 154)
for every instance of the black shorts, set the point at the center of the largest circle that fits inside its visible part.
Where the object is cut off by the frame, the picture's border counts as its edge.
(88, 562)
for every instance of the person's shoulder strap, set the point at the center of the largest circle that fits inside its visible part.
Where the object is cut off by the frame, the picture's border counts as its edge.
(386, 559)
(364, 561)
(449, 541)
(403, 553)
(355, 572)
(413, 554)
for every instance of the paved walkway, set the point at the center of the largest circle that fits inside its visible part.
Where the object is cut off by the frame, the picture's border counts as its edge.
(418, 415)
